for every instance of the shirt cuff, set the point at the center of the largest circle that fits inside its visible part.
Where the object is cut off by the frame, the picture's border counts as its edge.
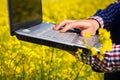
(99, 20)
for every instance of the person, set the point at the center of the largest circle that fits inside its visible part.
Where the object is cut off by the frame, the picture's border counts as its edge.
(108, 18)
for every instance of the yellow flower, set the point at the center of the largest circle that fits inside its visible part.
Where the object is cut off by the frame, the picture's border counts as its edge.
(87, 35)
(79, 51)
(105, 40)
(101, 57)
(102, 50)
(93, 51)
(18, 70)
(107, 45)
(84, 41)
(82, 73)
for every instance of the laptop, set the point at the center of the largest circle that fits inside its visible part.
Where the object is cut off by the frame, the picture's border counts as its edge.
(25, 18)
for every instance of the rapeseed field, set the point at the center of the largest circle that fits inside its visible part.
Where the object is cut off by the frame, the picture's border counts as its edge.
(21, 60)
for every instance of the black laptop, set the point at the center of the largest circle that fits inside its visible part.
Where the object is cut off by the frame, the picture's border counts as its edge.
(25, 17)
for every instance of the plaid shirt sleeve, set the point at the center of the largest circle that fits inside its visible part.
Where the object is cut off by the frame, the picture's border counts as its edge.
(110, 63)
(105, 17)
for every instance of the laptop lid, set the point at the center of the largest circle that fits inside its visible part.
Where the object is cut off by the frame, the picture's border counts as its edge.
(22, 14)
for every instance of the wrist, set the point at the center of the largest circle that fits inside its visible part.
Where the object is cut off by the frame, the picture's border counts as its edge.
(99, 20)
(95, 23)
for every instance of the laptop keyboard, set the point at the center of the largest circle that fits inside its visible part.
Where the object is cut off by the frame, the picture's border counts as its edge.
(51, 34)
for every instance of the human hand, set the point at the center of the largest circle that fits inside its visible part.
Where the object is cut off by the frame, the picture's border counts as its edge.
(89, 25)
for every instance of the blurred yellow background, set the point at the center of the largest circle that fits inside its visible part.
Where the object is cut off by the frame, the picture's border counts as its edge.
(26, 61)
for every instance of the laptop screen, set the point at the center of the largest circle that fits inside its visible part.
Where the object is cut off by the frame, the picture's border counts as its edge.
(25, 10)
(24, 14)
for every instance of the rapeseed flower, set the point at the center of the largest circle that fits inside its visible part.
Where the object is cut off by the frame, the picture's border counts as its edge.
(87, 35)
(104, 39)
(93, 51)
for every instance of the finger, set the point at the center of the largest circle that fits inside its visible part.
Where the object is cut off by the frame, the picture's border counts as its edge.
(67, 27)
(75, 24)
(62, 24)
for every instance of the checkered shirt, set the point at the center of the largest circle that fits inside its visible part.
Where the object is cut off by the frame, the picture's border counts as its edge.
(111, 60)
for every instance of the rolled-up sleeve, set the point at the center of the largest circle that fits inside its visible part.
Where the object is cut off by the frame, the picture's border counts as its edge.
(106, 16)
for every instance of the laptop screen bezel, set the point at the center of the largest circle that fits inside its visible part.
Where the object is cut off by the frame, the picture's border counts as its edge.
(14, 27)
